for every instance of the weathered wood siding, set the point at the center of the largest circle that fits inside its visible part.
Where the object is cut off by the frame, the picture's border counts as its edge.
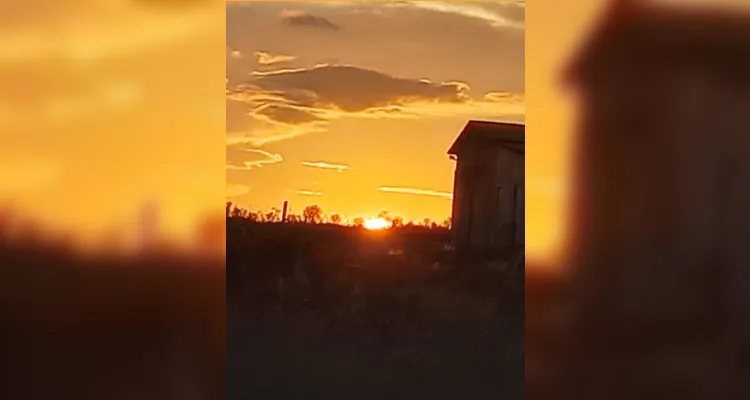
(662, 192)
(521, 215)
(486, 198)
(508, 179)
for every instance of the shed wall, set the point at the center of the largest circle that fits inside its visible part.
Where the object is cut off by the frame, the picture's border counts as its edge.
(488, 198)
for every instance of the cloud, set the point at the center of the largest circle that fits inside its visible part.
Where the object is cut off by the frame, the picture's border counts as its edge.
(263, 134)
(295, 101)
(254, 119)
(497, 97)
(266, 58)
(352, 89)
(286, 113)
(514, 11)
(509, 14)
(283, 101)
(309, 193)
(325, 165)
(406, 41)
(303, 19)
(416, 191)
(317, 95)
(234, 190)
(243, 164)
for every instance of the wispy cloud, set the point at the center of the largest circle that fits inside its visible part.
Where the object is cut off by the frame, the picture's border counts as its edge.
(504, 97)
(266, 58)
(309, 193)
(268, 158)
(416, 191)
(485, 12)
(325, 165)
(234, 190)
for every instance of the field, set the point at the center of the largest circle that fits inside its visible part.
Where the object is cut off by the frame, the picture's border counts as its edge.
(393, 317)
(154, 325)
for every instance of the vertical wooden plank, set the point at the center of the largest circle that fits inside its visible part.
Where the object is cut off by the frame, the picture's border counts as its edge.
(520, 238)
(458, 199)
(505, 210)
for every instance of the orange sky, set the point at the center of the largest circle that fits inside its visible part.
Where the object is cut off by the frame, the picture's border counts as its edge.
(353, 106)
(108, 104)
(556, 29)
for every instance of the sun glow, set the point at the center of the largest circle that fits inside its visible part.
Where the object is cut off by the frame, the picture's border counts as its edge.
(375, 224)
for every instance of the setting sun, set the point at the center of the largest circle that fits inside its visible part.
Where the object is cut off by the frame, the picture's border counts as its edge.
(375, 223)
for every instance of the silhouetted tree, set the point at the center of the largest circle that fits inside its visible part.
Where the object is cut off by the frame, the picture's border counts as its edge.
(397, 222)
(447, 223)
(238, 212)
(312, 214)
(335, 219)
(274, 215)
(426, 222)
(385, 216)
(229, 209)
(359, 221)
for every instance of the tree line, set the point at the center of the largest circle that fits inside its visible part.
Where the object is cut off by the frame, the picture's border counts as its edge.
(313, 214)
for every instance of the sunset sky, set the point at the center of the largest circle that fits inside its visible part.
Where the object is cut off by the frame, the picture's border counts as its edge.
(559, 27)
(108, 104)
(352, 106)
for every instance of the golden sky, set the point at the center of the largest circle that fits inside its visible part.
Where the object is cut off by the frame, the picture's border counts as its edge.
(352, 106)
(107, 104)
(110, 103)
(557, 28)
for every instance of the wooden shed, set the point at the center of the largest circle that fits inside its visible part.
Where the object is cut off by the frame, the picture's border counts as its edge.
(661, 201)
(674, 77)
(488, 190)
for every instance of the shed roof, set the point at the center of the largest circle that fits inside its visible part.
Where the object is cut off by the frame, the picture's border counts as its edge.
(648, 30)
(485, 133)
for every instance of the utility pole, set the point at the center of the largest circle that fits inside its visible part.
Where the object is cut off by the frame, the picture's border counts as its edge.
(284, 210)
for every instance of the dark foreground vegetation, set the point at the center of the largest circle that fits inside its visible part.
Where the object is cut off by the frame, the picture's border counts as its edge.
(343, 312)
(104, 327)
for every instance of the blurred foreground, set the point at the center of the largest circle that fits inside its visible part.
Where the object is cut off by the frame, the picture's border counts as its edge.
(149, 325)
(653, 300)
